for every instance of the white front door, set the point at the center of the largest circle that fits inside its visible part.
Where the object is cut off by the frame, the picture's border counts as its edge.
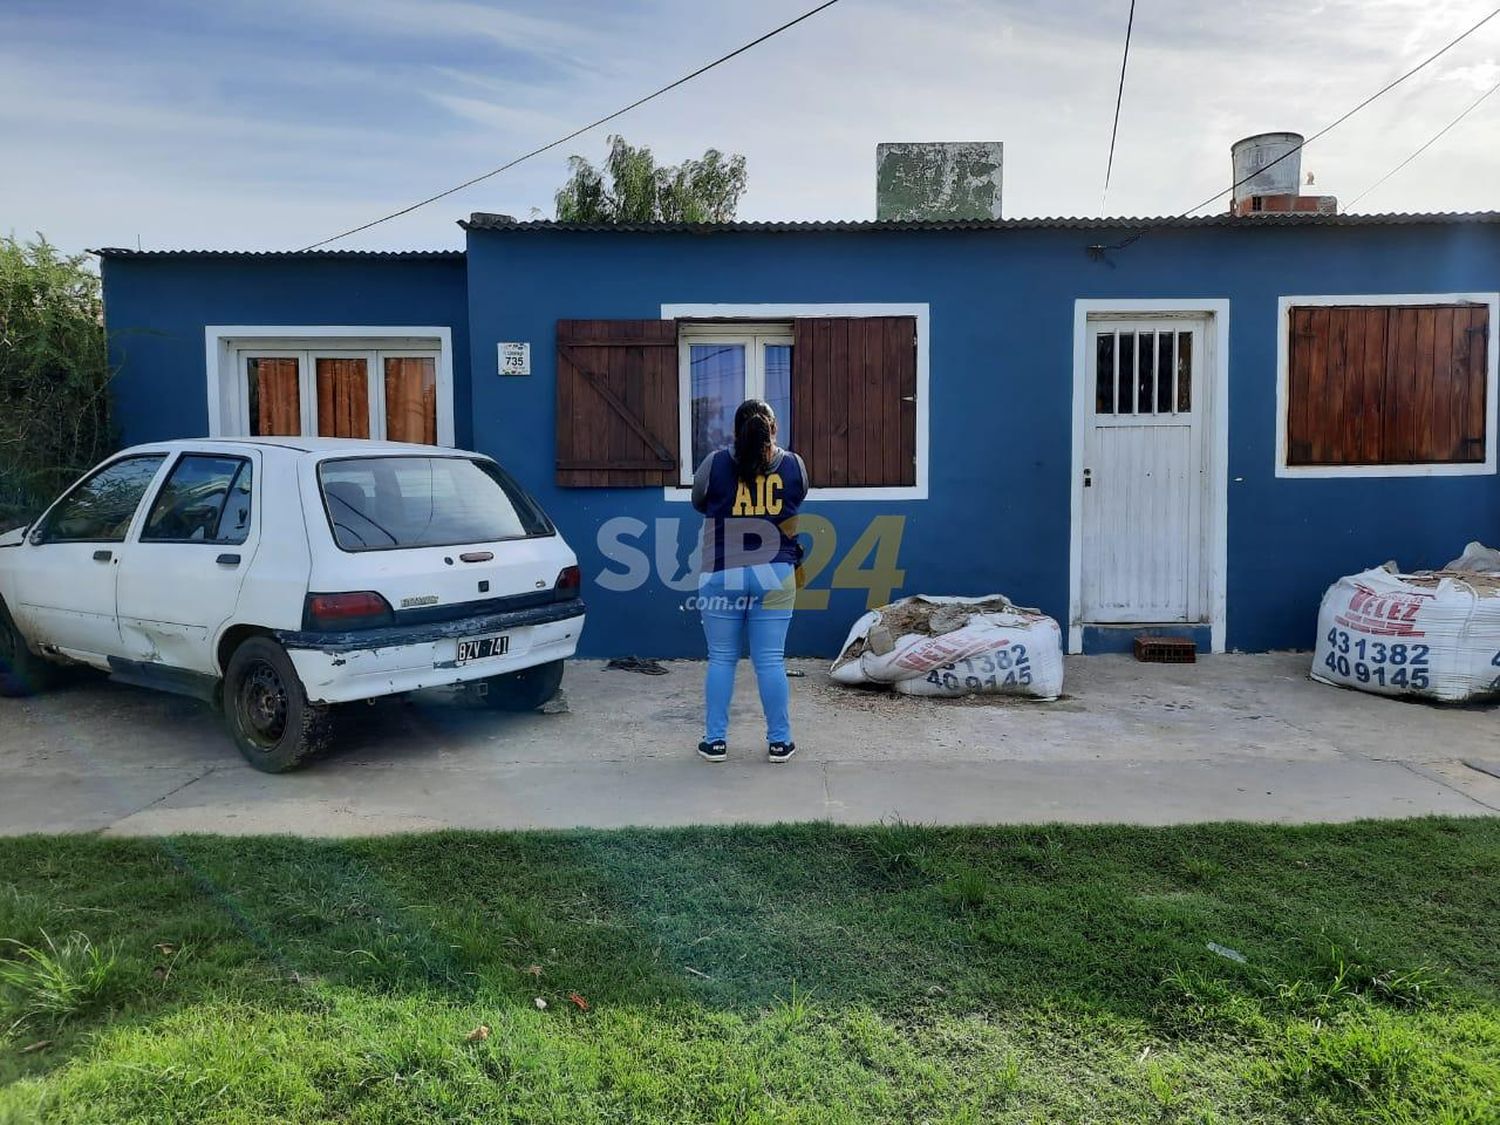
(1145, 471)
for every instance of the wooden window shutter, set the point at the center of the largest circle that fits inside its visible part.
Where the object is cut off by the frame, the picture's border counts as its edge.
(1387, 384)
(617, 403)
(854, 399)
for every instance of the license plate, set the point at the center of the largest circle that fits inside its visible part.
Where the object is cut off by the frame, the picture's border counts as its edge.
(482, 648)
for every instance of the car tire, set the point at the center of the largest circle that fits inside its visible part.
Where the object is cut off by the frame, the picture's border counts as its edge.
(267, 710)
(22, 672)
(525, 690)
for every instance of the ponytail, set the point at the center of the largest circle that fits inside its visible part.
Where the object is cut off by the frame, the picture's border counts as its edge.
(753, 423)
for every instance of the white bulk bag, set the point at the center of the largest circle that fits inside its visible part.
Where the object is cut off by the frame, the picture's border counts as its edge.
(1434, 635)
(1476, 559)
(950, 646)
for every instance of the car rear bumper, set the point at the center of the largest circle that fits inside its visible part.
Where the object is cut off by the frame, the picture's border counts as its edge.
(340, 667)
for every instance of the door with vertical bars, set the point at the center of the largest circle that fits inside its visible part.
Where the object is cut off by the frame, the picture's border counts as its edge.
(1144, 472)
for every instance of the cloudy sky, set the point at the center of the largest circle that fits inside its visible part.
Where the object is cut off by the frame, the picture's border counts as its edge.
(272, 124)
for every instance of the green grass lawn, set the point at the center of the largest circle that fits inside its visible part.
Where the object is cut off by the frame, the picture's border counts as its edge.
(782, 974)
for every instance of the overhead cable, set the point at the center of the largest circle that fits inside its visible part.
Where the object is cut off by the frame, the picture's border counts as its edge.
(576, 132)
(1098, 251)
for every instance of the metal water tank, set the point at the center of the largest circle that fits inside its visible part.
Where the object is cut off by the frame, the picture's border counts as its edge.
(1254, 153)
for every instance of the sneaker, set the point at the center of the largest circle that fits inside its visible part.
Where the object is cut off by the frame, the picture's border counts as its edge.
(780, 751)
(715, 751)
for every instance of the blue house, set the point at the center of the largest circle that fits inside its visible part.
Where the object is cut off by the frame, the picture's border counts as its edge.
(1191, 425)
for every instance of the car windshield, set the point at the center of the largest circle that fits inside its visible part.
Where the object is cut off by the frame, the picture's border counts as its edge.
(383, 503)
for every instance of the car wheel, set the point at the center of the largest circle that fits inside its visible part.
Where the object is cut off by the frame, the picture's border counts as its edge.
(525, 690)
(22, 672)
(269, 716)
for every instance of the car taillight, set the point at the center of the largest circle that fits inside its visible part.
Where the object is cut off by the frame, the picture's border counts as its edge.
(569, 581)
(362, 610)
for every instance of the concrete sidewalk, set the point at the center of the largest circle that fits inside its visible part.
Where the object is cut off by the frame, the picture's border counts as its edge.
(1229, 738)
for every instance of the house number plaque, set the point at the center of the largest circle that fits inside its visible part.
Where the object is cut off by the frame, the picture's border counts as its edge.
(515, 358)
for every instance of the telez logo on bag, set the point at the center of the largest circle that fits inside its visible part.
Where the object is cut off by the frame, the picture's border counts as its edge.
(1384, 614)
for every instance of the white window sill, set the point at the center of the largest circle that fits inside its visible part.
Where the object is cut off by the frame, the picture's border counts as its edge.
(1333, 472)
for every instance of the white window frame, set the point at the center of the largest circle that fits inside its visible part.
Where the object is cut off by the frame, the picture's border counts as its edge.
(1487, 467)
(1215, 386)
(761, 314)
(754, 338)
(227, 347)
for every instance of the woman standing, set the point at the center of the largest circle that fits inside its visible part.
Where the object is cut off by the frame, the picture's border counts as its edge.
(748, 587)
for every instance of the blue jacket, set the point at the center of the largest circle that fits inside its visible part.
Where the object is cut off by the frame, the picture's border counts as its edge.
(744, 524)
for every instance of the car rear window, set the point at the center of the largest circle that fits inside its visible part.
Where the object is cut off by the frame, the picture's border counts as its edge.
(386, 503)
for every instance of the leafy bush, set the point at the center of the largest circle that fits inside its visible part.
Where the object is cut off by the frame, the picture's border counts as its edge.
(54, 375)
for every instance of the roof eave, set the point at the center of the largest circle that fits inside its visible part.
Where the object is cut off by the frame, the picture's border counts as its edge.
(296, 255)
(481, 221)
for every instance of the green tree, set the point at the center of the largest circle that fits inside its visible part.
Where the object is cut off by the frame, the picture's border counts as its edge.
(638, 190)
(54, 375)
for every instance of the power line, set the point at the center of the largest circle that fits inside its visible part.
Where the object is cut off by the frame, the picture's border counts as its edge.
(1475, 104)
(577, 132)
(1098, 250)
(1119, 97)
(1387, 88)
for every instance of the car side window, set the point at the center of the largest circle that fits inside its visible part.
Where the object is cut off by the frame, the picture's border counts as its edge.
(100, 509)
(234, 524)
(206, 499)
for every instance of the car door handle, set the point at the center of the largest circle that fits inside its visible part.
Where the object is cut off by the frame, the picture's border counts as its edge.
(228, 560)
(103, 556)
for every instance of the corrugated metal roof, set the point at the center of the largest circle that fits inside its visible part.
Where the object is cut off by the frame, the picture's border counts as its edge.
(482, 221)
(402, 255)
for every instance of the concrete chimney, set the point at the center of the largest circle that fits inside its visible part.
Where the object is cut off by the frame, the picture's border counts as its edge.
(938, 180)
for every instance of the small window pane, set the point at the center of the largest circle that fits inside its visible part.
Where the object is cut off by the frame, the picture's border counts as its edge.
(411, 399)
(100, 509)
(1126, 401)
(1104, 373)
(1146, 372)
(191, 506)
(275, 402)
(718, 388)
(1164, 369)
(343, 397)
(779, 390)
(1184, 372)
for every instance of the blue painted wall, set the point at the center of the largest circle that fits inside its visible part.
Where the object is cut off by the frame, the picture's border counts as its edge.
(1001, 378)
(156, 308)
(1000, 397)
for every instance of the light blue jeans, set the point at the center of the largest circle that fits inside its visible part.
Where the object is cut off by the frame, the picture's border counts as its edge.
(753, 601)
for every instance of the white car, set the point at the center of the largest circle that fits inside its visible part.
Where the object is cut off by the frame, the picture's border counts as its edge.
(279, 576)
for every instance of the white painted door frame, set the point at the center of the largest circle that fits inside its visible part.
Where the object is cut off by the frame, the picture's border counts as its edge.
(1214, 538)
